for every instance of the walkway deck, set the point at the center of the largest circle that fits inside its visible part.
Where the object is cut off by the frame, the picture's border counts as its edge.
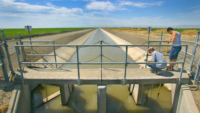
(93, 76)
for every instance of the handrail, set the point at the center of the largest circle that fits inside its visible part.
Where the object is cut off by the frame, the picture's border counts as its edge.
(78, 63)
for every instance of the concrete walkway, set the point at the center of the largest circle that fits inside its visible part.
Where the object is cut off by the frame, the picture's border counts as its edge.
(93, 76)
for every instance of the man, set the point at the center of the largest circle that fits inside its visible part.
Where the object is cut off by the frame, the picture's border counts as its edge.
(176, 40)
(156, 57)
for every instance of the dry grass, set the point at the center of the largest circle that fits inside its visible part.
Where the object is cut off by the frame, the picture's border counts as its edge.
(186, 34)
(189, 32)
(4, 108)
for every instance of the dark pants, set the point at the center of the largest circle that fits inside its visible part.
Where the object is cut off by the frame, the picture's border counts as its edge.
(153, 66)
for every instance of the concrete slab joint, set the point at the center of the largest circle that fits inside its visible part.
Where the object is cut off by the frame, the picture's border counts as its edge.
(101, 99)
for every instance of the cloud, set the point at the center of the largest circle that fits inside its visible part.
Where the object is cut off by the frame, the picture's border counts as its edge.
(10, 6)
(140, 4)
(101, 5)
(194, 7)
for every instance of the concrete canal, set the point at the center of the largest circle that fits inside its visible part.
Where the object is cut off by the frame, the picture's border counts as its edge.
(83, 99)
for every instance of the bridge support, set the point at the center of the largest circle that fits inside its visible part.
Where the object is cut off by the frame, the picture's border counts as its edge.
(65, 93)
(101, 98)
(176, 98)
(137, 93)
(24, 100)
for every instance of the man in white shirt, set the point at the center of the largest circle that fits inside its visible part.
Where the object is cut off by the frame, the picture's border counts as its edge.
(156, 57)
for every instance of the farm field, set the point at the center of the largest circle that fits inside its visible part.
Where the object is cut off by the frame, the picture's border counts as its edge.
(14, 32)
(186, 33)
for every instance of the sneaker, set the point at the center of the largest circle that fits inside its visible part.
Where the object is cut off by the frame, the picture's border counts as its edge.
(168, 68)
(158, 72)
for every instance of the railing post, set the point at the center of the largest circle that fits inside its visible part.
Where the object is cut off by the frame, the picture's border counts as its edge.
(194, 51)
(160, 40)
(101, 59)
(4, 69)
(185, 55)
(124, 81)
(78, 66)
(23, 53)
(197, 73)
(54, 50)
(18, 47)
(20, 68)
(7, 53)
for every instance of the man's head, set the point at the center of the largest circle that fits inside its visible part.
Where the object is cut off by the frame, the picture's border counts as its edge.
(150, 50)
(170, 30)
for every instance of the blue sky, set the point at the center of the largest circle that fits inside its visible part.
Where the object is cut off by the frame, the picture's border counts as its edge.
(99, 13)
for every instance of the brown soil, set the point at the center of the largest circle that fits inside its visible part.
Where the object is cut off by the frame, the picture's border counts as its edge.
(5, 89)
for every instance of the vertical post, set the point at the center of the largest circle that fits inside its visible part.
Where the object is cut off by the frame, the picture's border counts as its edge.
(194, 51)
(149, 30)
(64, 93)
(160, 40)
(29, 35)
(78, 65)
(23, 53)
(124, 81)
(186, 48)
(22, 48)
(101, 59)
(18, 47)
(101, 99)
(197, 73)
(54, 50)
(20, 68)
(5, 73)
(7, 52)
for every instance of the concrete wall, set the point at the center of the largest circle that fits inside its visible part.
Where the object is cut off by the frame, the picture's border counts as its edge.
(65, 53)
(186, 102)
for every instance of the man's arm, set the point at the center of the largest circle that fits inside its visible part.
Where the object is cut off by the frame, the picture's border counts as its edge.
(173, 37)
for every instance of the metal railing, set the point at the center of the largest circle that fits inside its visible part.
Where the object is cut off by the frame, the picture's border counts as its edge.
(191, 54)
(4, 43)
(196, 77)
(101, 63)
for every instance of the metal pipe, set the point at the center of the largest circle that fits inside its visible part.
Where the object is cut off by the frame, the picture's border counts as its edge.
(37, 41)
(7, 52)
(39, 55)
(93, 45)
(100, 63)
(5, 73)
(1, 43)
(124, 81)
(101, 58)
(79, 82)
(23, 54)
(20, 68)
(194, 52)
(54, 51)
(160, 40)
(12, 40)
(185, 55)
(197, 73)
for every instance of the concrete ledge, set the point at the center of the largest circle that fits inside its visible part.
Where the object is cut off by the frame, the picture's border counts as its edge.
(186, 101)
(14, 101)
(93, 76)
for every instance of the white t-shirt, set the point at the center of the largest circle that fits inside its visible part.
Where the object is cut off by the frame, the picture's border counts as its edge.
(158, 57)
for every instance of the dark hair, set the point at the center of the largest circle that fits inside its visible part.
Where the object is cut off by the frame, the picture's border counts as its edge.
(169, 28)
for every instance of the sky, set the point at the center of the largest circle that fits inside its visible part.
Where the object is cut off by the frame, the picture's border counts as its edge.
(99, 13)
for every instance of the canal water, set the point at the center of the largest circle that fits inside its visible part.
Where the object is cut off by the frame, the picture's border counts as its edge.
(83, 99)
